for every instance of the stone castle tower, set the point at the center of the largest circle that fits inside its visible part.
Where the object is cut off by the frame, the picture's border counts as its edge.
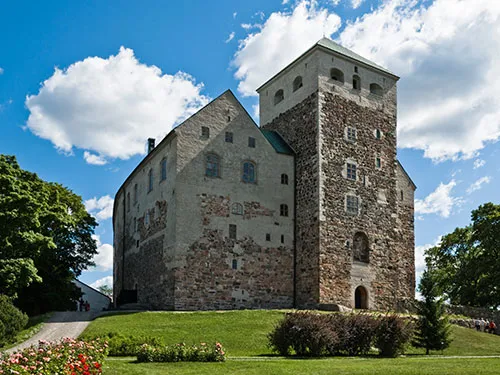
(309, 210)
(354, 239)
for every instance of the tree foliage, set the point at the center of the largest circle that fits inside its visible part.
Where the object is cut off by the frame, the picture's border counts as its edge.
(433, 328)
(46, 232)
(466, 265)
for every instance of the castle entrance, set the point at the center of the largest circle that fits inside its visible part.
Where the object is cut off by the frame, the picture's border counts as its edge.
(360, 298)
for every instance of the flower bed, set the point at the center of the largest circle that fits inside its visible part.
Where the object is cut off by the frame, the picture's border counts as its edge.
(69, 357)
(182, 353)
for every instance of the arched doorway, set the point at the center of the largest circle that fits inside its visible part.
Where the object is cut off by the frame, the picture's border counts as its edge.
(360, 298)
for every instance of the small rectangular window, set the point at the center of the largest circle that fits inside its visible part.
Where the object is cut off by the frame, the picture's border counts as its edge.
(235, 264)
(378, 162)
(351, 171)
(251, 142)
(205, 132)
(283, 210)
(229, 137)
(352, 204)
(135, 193)
(282, 238)
(268, 237)
(355, 69)
(351, 134)
(232, 231)
(163, 167)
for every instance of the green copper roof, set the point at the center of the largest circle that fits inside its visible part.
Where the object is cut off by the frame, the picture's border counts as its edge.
(277, 142)
(331, 45)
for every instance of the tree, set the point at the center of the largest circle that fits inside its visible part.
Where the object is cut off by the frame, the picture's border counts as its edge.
(433, 328)
(106, 290)
(466, 265)
(47, 233)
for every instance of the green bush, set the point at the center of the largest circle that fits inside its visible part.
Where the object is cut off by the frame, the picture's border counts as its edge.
(182, 353)
(12, 320)
(354, 333)
(124, 346)
(393, 335)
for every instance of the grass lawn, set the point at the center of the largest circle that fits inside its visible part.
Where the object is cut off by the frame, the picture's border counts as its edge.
(405, 366)
(243, 333)
(34, 325)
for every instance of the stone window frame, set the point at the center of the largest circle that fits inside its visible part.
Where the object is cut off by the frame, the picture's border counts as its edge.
(356, 82)
(128, 201)
(279, 96)
(351, 134)
(352, 204)
(297, 83)
(150, 180)
(205, 132)
(337, 75)
(237, 209)
(163, 170)
(216, 162)
(228, 137)
(284, 210)
(136, 193)
(284, 179)
(351, 170)
(245, 164)
(233, 231)
(251, 142)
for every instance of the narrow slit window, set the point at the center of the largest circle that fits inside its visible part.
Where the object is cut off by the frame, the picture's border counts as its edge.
(232, 231)
(163, 167)
(235, 264)
(150, 180)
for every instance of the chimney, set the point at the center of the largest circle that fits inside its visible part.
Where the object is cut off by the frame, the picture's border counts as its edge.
(151, 144)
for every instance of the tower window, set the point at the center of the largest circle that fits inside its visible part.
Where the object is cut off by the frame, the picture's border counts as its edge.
(360, 247)
(282, 238)
(351, 171)
(150, 180)
(297, 83)
(376, 89)
(229, 137)
(337, 75)
(251, 142)
(237, 209)
(212, 165)
(279, 96)
(378, 162)
(232, 231)
(401, 194)
(205, 132)
(284, 179)
(355, 69)
(283, 210)
(163, 168)
(378, 134)
(128, 201)
(268, 236)
(235, 264)
(356, 82)
(351, 134)
(352, 204)
(249, 175)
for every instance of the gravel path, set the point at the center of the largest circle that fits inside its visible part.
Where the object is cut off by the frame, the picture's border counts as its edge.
(61, 324)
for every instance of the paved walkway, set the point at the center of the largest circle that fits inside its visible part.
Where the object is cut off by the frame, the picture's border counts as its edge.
(61, 324)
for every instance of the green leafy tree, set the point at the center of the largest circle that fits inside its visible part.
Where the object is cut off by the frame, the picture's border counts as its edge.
(106, 290)
(433, 328)
(46, 232)
(466, 265)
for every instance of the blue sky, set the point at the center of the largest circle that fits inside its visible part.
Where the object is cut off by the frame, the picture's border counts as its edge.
(84, 84)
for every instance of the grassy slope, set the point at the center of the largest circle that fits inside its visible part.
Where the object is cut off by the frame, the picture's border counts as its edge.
(34, 325)
(243, 333)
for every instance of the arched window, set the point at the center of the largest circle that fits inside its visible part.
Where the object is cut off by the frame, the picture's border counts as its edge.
(150, 179)
(356, 82)
(360, 248)
(163, 169)
(376, 89)
(337, 75)
(237, 209)
(249, 175)
(360, 298)
(284, 179)
(297, 83)
(279, 96)
(212, 165)
(283, 210)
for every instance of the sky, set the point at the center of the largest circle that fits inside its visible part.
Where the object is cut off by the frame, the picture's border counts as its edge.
(83, 84)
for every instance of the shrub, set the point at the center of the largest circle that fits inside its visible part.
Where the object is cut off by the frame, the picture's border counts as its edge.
(393, 335)
(354, 333)
(182, 353)
(69, 357)
(125, 346)
(12, 320)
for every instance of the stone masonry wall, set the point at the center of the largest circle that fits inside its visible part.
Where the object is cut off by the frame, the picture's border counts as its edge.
(299, 127)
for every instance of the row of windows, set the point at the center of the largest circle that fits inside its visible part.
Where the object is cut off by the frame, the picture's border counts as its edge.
(351, 134)
(233, 229)
(205, 134)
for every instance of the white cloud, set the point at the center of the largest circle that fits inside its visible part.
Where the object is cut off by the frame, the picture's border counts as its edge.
(235, 14)
(420, 257)
(94, 159)
(101, 208)
(478, 163)
(447, 54)
(440, 201)
(356, 3)
(230, 37)
(1, 70)
(284, 2)
(104, 258)
(282, 38)
(111, 106)
(478, 184)
(108, 280)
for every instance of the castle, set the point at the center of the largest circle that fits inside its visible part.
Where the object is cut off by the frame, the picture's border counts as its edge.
(310, 210)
